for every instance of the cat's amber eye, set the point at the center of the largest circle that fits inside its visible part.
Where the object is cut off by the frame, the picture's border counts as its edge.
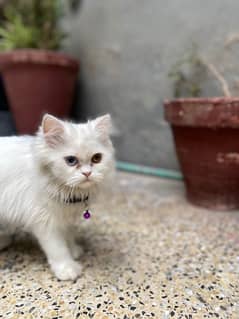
(96, 158)
(71, 160)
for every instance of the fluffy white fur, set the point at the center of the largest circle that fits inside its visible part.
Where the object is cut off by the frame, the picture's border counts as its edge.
(35, 180)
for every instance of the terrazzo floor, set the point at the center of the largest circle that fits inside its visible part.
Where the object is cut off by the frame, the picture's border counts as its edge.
(148, 254)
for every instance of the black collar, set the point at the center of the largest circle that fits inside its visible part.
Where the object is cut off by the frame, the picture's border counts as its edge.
(75, 200)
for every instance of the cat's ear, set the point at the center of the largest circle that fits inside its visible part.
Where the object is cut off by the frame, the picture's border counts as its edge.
(53, 130)
(103, 126)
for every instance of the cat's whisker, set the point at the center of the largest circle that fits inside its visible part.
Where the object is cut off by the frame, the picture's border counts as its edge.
(98, 177)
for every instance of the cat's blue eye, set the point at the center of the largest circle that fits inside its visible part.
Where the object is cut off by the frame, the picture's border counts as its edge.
(71, 160)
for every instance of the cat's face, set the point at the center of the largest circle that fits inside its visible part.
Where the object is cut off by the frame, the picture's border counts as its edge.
(76, 155)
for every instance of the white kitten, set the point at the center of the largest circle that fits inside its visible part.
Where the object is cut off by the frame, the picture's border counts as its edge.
(46, 180)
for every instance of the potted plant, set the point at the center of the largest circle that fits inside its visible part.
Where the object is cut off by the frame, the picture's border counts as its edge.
(36, 78)
(206, 135)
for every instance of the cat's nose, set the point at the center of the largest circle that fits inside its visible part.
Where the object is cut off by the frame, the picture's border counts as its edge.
(86, 174)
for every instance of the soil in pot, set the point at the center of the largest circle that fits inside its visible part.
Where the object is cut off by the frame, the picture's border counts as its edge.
(206, 135)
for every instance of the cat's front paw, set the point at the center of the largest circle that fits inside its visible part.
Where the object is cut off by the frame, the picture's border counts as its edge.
(67, 270)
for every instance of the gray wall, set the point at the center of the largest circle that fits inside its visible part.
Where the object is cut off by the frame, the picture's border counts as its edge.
(127, 48)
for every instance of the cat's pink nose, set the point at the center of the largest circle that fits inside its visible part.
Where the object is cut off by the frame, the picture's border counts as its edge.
(87, 174)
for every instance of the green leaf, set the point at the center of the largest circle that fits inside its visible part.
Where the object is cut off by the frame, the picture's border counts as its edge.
(32, 24)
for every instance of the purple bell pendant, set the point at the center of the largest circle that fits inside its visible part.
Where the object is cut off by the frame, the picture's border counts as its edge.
(87, 214)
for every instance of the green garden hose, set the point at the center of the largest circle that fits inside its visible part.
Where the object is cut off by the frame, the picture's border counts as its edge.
(160, 172)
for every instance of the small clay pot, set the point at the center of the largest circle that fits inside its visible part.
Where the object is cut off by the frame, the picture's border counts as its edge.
(38, 81)
(206, 135)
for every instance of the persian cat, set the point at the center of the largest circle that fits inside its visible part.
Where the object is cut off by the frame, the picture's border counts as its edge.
(49, 178)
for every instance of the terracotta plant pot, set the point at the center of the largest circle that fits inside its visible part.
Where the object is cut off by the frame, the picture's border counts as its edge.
(206, 135)
(36, 82)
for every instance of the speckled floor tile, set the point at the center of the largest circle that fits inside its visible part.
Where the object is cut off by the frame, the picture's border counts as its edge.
(148, 254)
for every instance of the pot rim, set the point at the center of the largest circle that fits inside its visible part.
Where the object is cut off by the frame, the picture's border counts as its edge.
(203, 112)
(203, 100)
(37, 56)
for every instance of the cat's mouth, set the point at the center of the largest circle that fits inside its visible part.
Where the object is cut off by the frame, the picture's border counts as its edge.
(86, 182)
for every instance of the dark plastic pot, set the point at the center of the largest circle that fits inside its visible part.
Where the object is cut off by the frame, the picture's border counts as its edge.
(206, 135)
(36, 82)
